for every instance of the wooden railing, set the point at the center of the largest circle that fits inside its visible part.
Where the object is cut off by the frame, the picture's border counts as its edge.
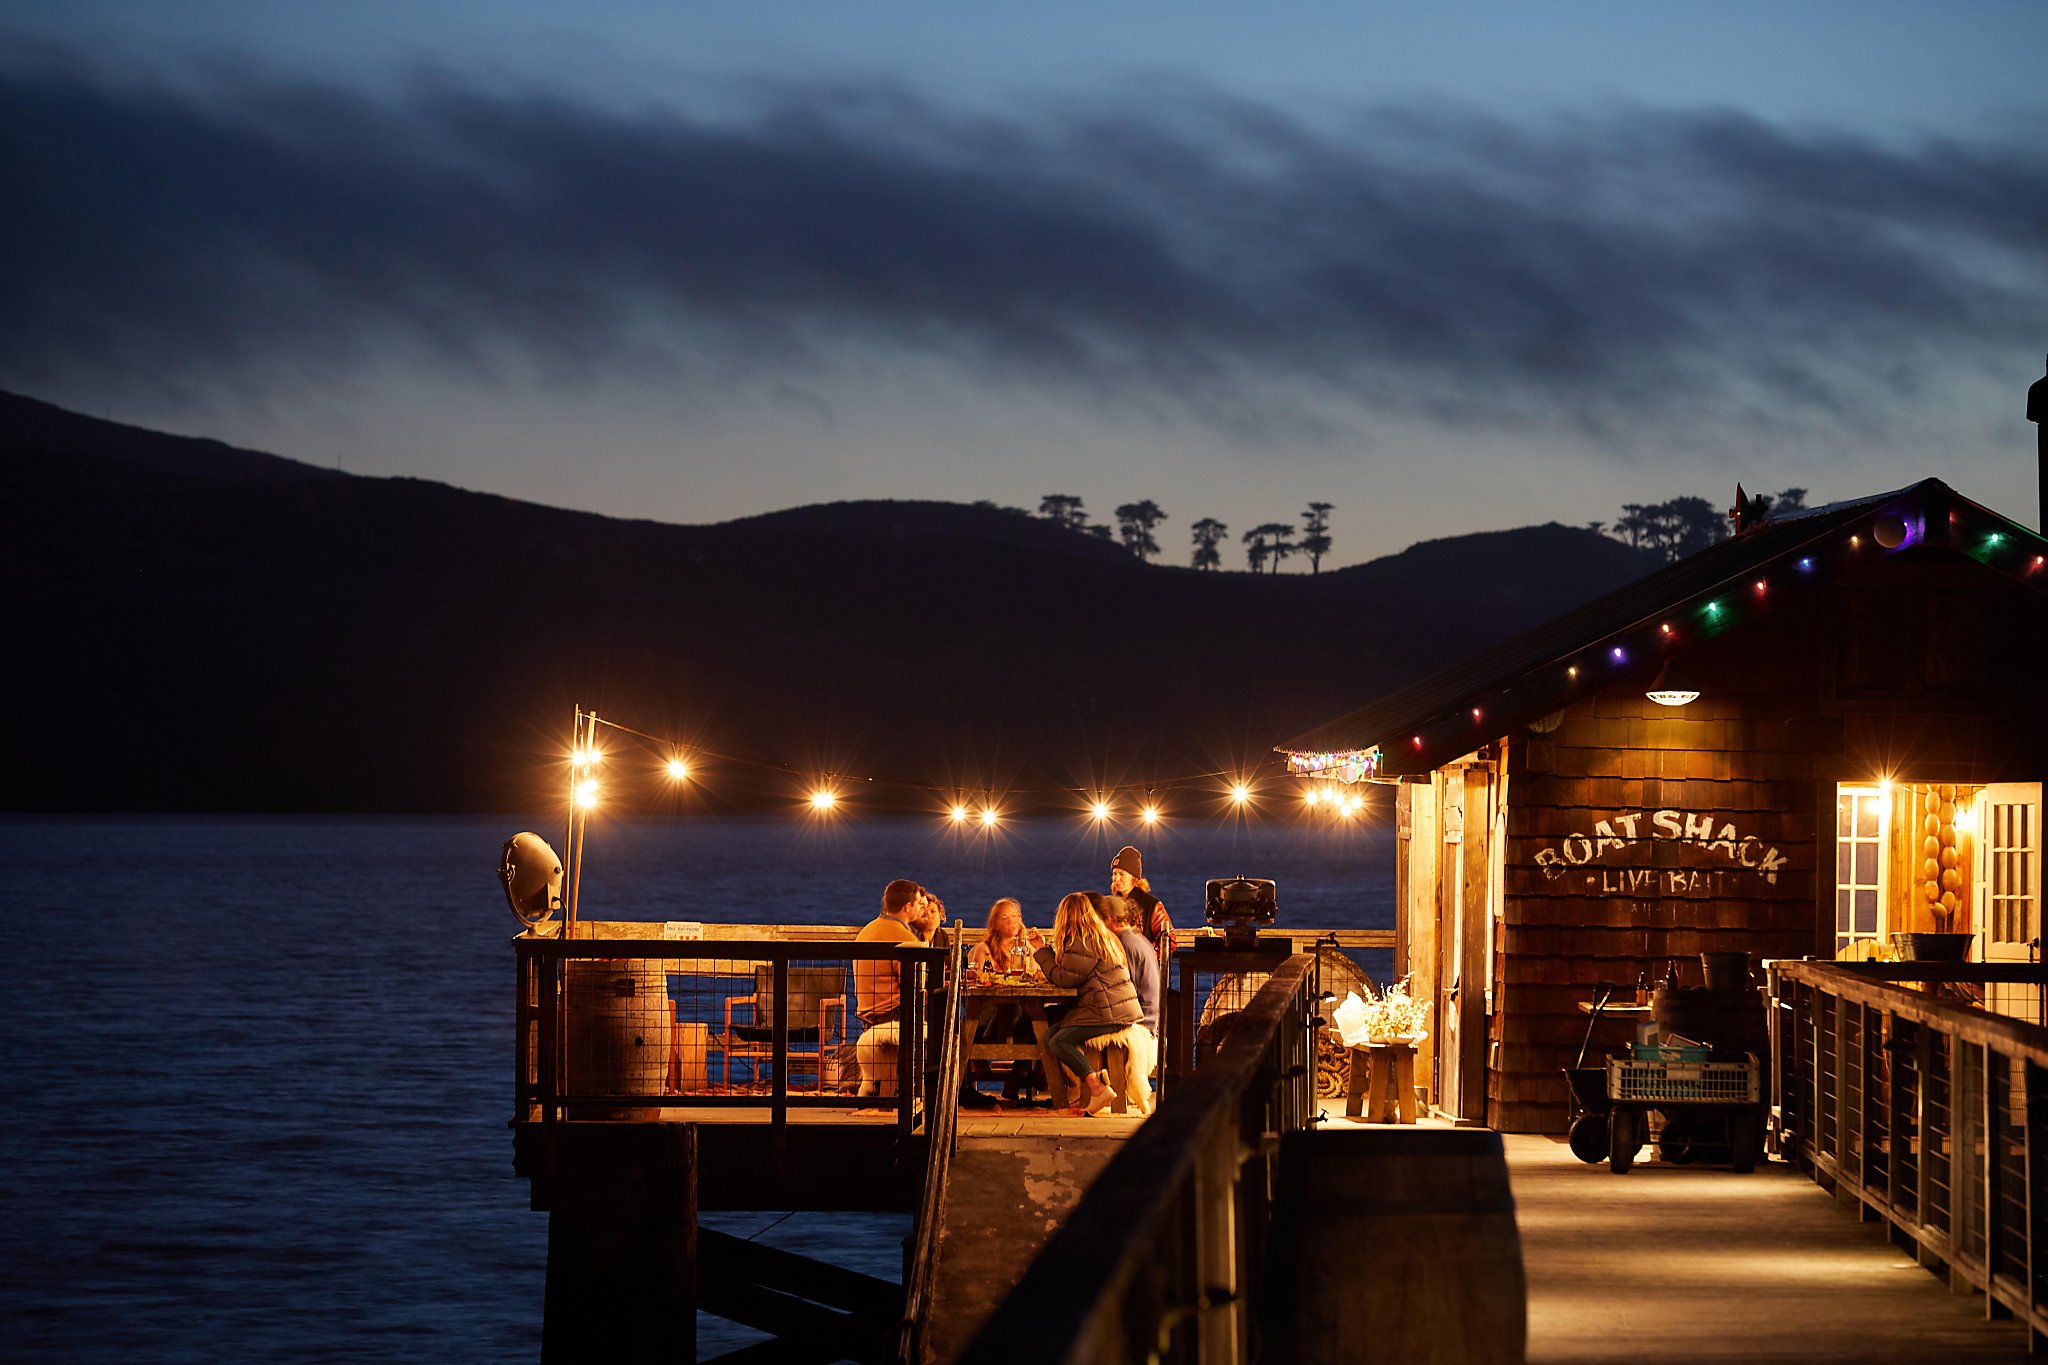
(940, 1134)
(1160, 1259)
(1930, 1112)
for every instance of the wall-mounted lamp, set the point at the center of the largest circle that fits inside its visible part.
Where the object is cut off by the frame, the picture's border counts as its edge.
(1667, 690)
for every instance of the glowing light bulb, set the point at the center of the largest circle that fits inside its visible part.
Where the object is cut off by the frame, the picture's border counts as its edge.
(1572, 672)
(1806, 564)
(586, 793)
(1150, 815)
(824, 798)
(1619, 653)
(1855, 542)
(1665, 628)
(678, 769)
(1100, 810)
(1713, 608)
(959, 815)
(989, 816)
(1312, 797)
(1240, 793)
(1760, 585)
(1475, 713)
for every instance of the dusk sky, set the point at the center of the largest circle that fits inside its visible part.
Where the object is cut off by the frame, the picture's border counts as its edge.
(1451, 268)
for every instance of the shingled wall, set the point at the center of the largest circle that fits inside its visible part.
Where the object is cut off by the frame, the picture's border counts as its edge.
(1639, 834)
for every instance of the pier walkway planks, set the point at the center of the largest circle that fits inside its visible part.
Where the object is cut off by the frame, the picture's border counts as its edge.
(1679, 1264)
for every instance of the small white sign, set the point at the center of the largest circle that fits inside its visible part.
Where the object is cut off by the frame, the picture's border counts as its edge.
(689, 931)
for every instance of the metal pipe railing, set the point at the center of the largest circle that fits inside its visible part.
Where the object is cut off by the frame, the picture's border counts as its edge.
(1929, 1111)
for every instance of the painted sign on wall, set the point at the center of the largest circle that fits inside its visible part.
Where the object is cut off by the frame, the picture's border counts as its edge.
(1610, 857)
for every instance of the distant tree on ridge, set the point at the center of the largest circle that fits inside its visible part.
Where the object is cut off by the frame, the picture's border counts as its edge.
(1063, 509)
(1135, 521)
(1315, 533)
(1271, 541)
(1205, 533)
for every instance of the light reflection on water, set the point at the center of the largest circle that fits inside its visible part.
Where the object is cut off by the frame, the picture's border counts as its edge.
(259, 1067)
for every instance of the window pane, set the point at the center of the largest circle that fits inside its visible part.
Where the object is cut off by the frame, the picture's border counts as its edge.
(1866, 817)
(1866, 912)
(1866, 864)
(1842, 910)
(1845, 816)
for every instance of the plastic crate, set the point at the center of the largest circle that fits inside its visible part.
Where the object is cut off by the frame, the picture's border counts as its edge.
(1700, 1082)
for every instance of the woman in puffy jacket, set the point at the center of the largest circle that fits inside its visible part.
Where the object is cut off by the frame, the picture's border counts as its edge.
(1085, 954)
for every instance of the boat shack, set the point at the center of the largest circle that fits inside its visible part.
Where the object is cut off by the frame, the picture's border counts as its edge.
(1820, 733)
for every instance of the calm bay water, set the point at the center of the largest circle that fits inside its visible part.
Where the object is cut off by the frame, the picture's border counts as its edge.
(259, 1068)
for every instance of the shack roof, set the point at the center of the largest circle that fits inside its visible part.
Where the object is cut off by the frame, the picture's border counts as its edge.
(1630, 633)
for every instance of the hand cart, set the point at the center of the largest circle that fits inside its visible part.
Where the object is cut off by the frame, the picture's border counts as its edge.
(1695, 1095)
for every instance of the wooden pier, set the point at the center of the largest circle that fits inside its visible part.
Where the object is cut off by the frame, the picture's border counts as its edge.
(1247, 1221)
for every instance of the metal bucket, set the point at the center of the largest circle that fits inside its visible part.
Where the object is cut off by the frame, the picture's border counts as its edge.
(1726, 971)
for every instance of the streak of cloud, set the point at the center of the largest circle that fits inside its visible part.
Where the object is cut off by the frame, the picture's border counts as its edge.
(1175, 252)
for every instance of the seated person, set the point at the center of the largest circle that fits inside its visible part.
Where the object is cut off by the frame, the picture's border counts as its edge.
(1086, 955)
(879, 985)
(1128, 920)
(1002, 949)
(1142, 1040)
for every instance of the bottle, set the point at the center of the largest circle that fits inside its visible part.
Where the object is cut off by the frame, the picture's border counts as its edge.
(1671, 975)
(1642, 988)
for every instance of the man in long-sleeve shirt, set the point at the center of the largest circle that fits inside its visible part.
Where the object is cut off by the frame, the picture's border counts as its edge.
(879, 988)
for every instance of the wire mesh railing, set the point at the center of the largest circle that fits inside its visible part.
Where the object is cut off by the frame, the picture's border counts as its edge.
(639, 1028)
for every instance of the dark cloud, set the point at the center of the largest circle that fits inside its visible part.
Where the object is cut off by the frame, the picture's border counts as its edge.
(1178, 251)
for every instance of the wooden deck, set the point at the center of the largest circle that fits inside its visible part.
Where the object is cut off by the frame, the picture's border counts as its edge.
(1695, 1263)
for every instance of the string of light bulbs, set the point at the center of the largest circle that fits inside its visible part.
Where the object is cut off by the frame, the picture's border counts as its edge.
(679, 761)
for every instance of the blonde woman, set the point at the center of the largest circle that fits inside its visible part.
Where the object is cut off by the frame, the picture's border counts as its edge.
(1002, 948)
(1085, 954)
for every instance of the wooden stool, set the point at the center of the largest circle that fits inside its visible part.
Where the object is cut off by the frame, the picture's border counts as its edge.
(1128, 1064)
(1388, 1071)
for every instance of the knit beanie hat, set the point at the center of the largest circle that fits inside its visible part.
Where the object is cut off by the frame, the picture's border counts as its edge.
(1129, 860)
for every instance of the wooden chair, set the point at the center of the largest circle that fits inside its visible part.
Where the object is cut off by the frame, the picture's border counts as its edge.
(816, 996)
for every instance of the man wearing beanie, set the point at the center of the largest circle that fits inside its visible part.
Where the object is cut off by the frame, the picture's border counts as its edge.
(1127, 879)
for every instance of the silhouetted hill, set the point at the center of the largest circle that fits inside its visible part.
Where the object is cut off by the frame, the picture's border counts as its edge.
(214, 629)
(29, 426)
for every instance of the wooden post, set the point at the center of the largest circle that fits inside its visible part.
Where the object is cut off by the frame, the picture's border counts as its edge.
(622, 1245)
(1476, 967)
